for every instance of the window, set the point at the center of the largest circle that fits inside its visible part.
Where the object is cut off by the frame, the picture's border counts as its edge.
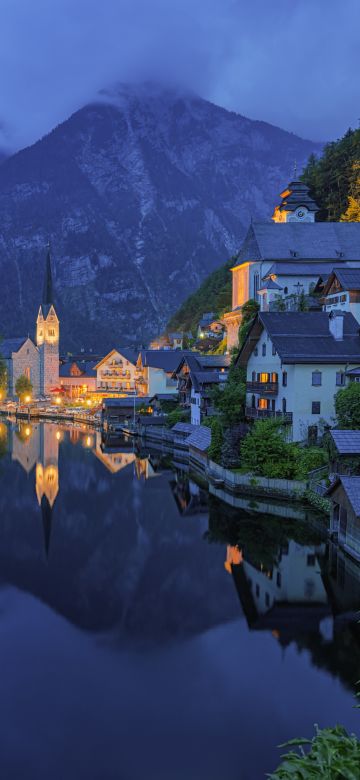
(284, 405)
(284, 379)
(27, 373)
(310, 561)
(340, 379)
(278, 579)
(256, 351)
(286, 290)
(316, 378)
(253, 376)
(315, 407)
(267, 599)
(263, 403)
(256, 285)
(273, 350)
(263, 350)
(257, 590)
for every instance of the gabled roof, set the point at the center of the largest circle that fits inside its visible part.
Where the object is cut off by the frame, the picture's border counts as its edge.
(126, 352)
(201, 378)
(182, 427)
(200, 438)
(8, 346)
(351, 487)
(346, 442)
(349, 279)
(270, 285)
(87, 368)
(167, 359)
(338, 241)
(304, 337)
(127, 402)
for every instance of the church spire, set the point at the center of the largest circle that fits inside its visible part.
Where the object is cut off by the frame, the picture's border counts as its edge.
(48, 293)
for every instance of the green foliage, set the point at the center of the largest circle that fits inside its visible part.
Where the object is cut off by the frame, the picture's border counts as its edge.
(334, 178)
(229, 400)
(347, 406)
(214, 451)
(332, 754)
(265, 452)
(23, 387)
(214, 294)
(319, 502)
(248, 312)
(178, 415)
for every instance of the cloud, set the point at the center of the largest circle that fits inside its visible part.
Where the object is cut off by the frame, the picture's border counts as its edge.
(295, 65)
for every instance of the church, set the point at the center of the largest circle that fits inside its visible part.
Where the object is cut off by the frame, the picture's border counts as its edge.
(37, 360)
(288, 256)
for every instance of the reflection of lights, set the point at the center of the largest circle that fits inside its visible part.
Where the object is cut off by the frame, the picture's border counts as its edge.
(58, 435)
(58, 400)
(27, 431)
(27, 399)
(88, 402)
(88, 441)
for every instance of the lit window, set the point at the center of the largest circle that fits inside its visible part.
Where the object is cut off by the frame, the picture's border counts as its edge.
(263, 403)
(264, 377)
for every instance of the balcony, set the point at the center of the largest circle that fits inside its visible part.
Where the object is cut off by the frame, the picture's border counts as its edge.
(260, 414)
(262, 387)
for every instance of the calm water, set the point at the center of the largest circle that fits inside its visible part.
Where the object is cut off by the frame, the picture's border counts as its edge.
(148, 632)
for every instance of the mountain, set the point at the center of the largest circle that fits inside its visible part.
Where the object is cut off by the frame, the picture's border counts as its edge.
(143, 193)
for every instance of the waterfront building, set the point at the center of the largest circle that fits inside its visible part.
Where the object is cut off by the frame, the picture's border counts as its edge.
(37, 360)
(78, 378)
(295, 363)
(154, 371)
(285, 258)
(116, 372)
(345, 513)
(196, 376)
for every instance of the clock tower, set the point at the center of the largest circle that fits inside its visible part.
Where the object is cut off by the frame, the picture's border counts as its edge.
(47, 335)
(296, 204)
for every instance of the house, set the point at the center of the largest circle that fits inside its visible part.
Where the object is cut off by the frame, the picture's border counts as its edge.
(78, 377)
(344, 495)
(295, 363)
(115, 412)
(37, 360)
(199, 442)
(345, 457)
(116, 372)
(196, 376)
(154, 371)
(287, 257)
(204, 324)
(342, 291)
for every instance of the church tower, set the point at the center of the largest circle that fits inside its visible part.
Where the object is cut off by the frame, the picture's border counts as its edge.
(296, 204)
(47, 335)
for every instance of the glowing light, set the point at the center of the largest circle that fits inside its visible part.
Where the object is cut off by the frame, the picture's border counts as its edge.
(27, 399)
(58, 400)
(27, 431)
(58, 435)
(88, 402)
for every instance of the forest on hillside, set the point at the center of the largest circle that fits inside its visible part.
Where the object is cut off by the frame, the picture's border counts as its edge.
(334, 181)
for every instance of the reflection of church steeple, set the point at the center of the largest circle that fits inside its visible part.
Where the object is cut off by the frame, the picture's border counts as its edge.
(47, 478)
(46, 514)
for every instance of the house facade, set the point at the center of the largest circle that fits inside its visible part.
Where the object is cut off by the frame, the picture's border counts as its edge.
(295, 363)
(196, 376)
(287, 257)
(154, 371)
(116, 372)
(78, 378)
(342, 291)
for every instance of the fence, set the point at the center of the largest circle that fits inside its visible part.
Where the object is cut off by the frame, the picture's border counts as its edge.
(242, 482)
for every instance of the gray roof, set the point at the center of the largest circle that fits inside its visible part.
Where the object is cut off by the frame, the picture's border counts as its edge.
(128, 353)
(349, 278)
(8, 346)
(201, 378)
(353, 371)
(339, 241)
(200, 438)
(297, 194)
(126, 402)
(270, 285)
(213, 361)
(87, 368)
(346, 442)
(304, 337)
(297, 268)
(351, 486)
(167, 359)
(182, 427)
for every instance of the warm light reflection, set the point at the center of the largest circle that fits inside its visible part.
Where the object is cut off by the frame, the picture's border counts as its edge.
(58, 435)
(27, 431)
(234, 557)
(58, 400)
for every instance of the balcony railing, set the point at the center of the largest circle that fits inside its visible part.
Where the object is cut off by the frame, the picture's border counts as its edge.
(259, 414)
(262, 387)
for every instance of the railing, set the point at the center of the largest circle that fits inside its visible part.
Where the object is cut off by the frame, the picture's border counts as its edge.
(259, 414)
(262, 387)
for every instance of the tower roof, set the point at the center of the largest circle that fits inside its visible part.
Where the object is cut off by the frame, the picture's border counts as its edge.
(295, 195)
(48, 292)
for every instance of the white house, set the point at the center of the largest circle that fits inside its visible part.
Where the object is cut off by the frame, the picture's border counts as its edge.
(116, 372)
(342, 291)
(295, 363)
(154, 371)
(196, 375)
(289, 255)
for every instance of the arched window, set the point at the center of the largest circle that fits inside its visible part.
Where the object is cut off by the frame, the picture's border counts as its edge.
(264, 350)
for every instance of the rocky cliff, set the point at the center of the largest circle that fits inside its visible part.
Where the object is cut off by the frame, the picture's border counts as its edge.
(142, 193)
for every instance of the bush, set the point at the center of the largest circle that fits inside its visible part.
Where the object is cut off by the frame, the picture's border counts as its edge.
(333, 754)
(178, 415)
(215, 449)
(347, 406)
(265, 452)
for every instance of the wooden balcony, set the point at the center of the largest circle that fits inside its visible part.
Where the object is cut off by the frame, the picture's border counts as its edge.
(262, 387)
(261, 414)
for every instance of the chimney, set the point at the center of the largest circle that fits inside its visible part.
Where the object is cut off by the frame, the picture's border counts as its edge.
(336, 324)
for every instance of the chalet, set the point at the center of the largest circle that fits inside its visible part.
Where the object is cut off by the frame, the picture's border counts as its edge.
(295, 363)
(345, 514)
(154, 371)
(288, 256)
(196, 376)
(116, 372)
(342, 291)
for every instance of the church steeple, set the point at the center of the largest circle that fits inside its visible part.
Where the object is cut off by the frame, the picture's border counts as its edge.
(48, 292)
(297, 204)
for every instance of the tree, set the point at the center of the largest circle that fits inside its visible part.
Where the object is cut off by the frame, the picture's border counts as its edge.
(23, 387)
(3, 378)
(264, 451)
(347, 406)
(333, 178)
(352, 213)
(248, 313)
(214, 451)
(229, 399)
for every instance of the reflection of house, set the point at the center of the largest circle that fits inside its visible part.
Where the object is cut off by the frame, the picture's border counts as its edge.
(295, 363)
(342, 291)
(116, 411)
(289, 599)
(116, 371)
(78, 378)
(113, 459)
(25, 445)
(345, 514)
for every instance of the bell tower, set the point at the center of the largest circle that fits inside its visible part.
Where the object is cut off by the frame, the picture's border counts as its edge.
(47, 334)
(296, 205)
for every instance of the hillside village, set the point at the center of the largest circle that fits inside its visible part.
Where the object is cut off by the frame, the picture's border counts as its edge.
(273, 365)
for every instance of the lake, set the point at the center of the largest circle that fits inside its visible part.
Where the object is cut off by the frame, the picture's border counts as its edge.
(149, 630)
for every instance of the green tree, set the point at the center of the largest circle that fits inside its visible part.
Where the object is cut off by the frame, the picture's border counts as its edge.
(265, 452)
(23, 387)
(333, 177)
(248, 313)
(347, 406)
(214, 451)
(229, 399)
